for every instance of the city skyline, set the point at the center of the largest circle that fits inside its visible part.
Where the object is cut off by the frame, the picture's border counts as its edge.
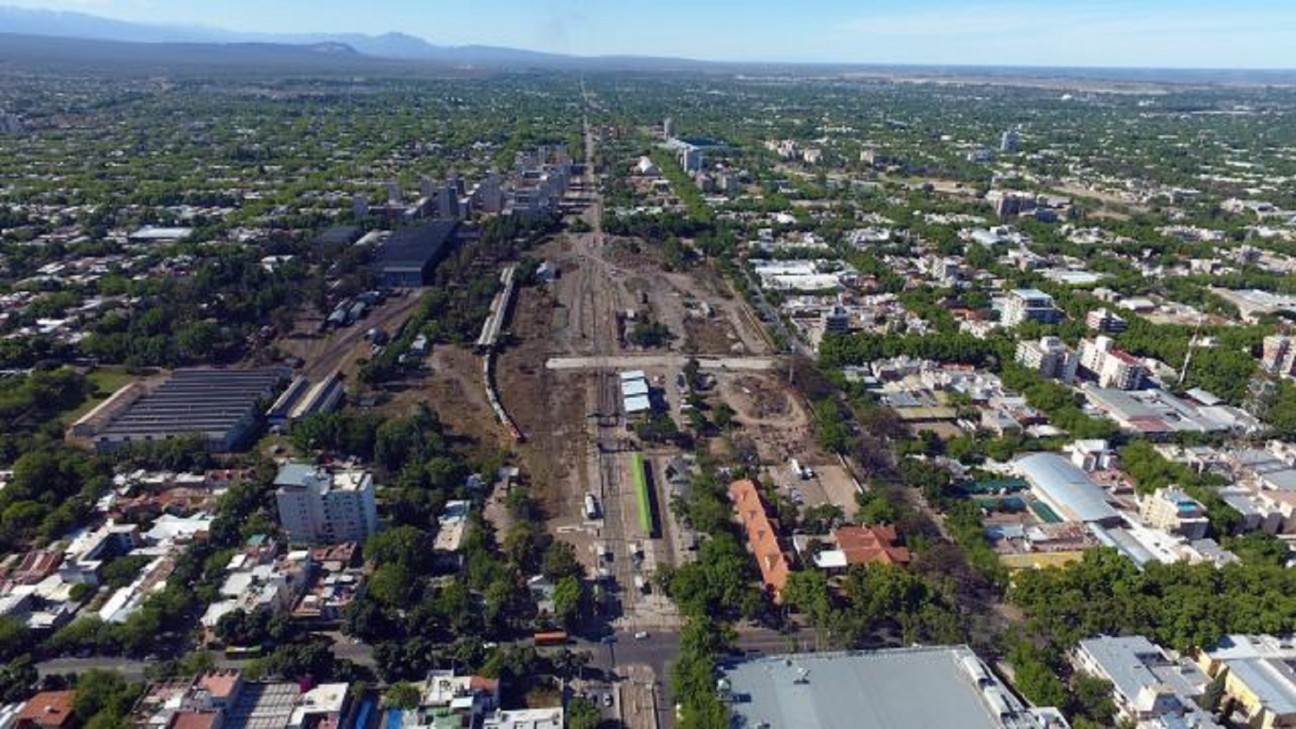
(1147, 33)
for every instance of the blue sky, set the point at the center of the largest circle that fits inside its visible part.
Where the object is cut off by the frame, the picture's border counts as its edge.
(1168, 33)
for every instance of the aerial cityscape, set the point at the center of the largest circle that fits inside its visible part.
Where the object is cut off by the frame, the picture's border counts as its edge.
(503, 371)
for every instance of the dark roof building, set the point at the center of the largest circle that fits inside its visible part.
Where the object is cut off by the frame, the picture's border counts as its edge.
(339, 235)
(411, 254)
(220, 406)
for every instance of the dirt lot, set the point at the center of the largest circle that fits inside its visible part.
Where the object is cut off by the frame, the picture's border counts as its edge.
(759, 399)
(699, 306)
(452, 386)
(710, 336)
(549, 407)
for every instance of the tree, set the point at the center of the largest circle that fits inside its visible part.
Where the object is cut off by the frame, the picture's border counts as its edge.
(723, 415)
(569, 664)
(405, 696)
(583, 714)
(507, 600)
(241, 628)
(394, 585)
(523, 546)
(569, 601)
(17, 679)
(808, 592)
(830, 426)
(15, 638)
(560, 561)
(822, 518)
(404, 545)
(657, 428)
(1213, 697)
(1093, 697)
(305, 660)
(366, 620)
(105, 693)
(1035, 678)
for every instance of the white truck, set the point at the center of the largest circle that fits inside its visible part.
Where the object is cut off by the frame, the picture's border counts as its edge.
(800, 471)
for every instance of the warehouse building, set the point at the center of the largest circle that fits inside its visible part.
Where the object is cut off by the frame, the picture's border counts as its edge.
(889, 689)
(303, 399)
(222, 407)
(635, 393)
(411, 254)
(1067, 490)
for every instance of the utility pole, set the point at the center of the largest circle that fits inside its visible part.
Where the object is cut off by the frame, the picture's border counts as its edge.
(1183, 372)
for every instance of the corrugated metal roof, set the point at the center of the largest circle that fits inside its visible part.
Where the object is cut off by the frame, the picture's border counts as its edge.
(1066, 487)
(637, 404)
(918, 687)
(1271, 680)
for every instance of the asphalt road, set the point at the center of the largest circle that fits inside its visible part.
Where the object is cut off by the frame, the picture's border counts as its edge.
(131, 669)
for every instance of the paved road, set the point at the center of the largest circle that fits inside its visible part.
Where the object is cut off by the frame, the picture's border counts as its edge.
(131, 669)
(675, 361)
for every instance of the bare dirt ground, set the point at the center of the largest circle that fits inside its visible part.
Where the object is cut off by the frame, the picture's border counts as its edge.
(452, 386)
(710, 336)
(698, 306)
(761, 402)
(774, 421)
(549, 407)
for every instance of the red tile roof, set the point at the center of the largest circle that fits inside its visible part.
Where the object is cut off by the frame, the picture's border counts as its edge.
(762, 535)
(47, 709)
(869, 545)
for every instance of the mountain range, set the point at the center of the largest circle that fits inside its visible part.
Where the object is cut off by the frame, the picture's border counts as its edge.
(394, 46)
(48, 38)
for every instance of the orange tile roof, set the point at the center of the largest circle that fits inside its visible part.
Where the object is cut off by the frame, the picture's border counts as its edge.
(762, 535)
(47, 709)
(868, 545)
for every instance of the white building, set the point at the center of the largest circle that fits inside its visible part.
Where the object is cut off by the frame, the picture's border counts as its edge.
(1113, 368)
(1105, 321)
(316, 505)
(1030, 305)
(1171, 510)
(1149, 687)
(1050, 357)
(526, 719)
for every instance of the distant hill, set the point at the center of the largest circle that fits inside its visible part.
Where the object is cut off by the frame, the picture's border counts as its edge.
(71, 37)
(26, 21)
(89, 55)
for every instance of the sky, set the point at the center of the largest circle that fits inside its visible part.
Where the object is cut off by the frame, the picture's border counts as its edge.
(1141, 33)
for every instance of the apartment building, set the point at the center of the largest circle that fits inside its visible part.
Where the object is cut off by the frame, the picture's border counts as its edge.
(320, 506)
